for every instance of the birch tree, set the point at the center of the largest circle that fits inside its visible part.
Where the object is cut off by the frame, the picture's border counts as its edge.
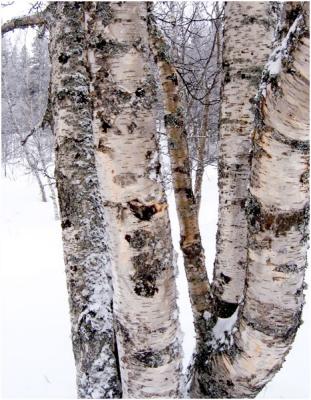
(127, 157)
(190, 239)
(85, 238)
(247, 45)
(277, 220)
(103, 96)
(117, 243)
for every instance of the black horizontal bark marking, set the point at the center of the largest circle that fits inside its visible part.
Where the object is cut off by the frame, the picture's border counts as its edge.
(260, 219)
(301, 145)
(267, 326)
(156, 358)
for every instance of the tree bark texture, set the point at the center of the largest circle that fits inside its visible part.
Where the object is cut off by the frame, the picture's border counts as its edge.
(124, 96)
(278, 215)
(190, 239)
(247, 44)
(85, 238)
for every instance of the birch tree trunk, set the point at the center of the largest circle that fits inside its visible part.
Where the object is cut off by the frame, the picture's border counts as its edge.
(247, 44)
(278, 213)
(85, 238)
(124, 96)
(190, 239)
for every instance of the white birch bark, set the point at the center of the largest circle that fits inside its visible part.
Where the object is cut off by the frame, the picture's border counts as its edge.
(278, 214)
(247, 44)
(85, 239)
(124, 91)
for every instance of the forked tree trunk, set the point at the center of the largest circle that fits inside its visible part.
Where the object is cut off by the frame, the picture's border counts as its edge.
(124, 97)
(247, 44)
(85, 239)
(278, 212)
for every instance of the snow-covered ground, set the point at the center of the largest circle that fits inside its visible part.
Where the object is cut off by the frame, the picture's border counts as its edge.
(36, 355)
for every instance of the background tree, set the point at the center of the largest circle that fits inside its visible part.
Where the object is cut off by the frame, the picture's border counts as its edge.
(25, 79)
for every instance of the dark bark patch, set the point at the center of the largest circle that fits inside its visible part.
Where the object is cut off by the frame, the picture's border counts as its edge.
(193, 250)
(140, 92)
(223, 309)
(290, 267)
(149, 358)
(152, 359)
(103, 9)
(105, 125)
(66, 224)
(63, 58)
(173, 120)
(173, 78)
(226, 279)
(145, 212)
(147, 270)
(109, 47)
(302, 146)
(103, 148)
(123, 96)
(131, 128)
(277, 325)
(125, 179)
(138, 239)
(148, 155)
(182, 170)
(262, 220)
(304, 178)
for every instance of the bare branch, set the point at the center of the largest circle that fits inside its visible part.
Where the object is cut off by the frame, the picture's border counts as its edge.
(23, 22)
(7, 4)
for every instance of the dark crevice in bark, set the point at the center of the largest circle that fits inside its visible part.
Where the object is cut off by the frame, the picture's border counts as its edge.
(223, 309)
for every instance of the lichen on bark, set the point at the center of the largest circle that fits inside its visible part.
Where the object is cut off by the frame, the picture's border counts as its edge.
(85, 239)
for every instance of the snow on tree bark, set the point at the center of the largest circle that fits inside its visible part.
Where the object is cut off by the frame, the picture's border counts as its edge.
(247, 44)
(124, 97)
(85, 239)
(278, 215)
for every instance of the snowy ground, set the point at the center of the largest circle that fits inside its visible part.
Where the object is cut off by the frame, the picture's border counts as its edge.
(36, 356)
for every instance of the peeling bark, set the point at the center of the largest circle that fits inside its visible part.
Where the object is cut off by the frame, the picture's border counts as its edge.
(85, 239)
(124, 96)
